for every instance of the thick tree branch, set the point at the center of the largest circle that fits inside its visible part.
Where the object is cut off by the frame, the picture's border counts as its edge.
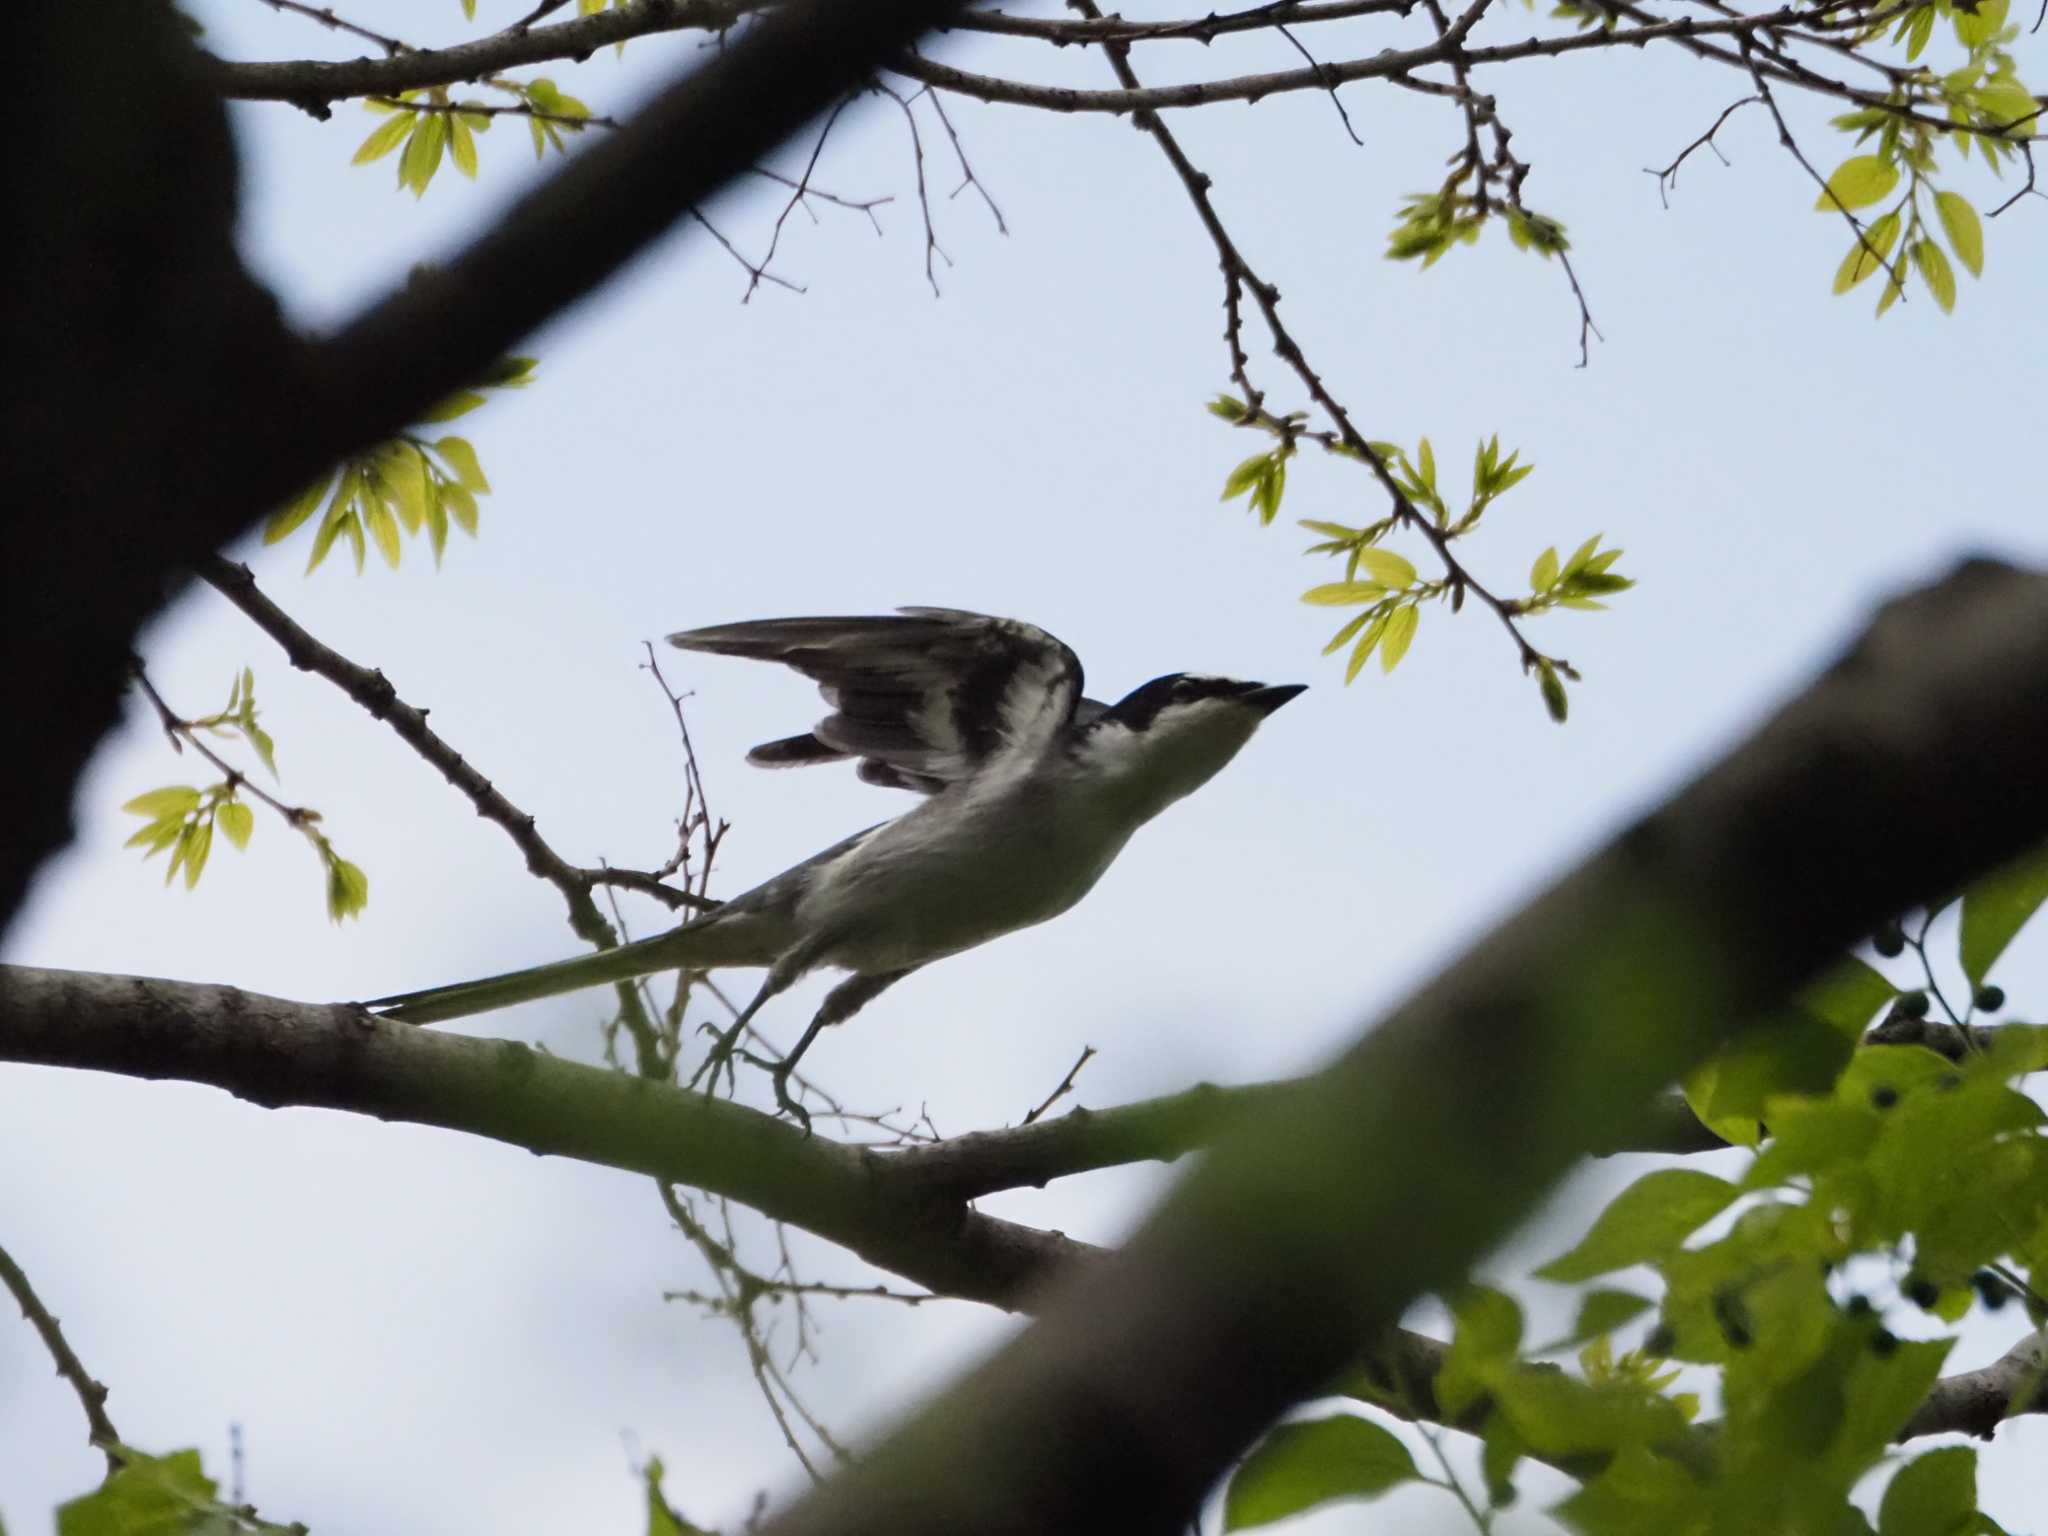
(335, 1056)
(1914, 765)
(1977, 1402)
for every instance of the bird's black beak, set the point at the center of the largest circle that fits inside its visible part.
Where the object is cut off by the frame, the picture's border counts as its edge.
(1268, 697)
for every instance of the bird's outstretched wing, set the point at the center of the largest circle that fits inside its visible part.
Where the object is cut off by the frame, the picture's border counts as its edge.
(923, 700)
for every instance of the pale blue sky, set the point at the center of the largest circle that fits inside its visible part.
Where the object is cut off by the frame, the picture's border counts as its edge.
(425, 1333)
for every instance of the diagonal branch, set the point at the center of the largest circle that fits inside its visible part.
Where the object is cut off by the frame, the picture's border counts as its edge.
(372, 690)
(92, 1395)
(1911, 767)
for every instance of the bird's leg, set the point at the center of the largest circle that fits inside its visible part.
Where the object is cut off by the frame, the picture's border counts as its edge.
(786, 969)
(841, 1004)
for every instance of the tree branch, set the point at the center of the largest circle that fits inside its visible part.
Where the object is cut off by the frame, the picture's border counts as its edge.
(274, 1052)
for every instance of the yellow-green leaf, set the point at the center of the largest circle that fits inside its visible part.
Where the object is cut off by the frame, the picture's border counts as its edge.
(1387, 568)
(237, 821)
(1936, 273)
(384, 530)
(1868, 255)
(455, 405)
(172, 800)
(388, 135)
(198, 843)
(1858, 182)
(1351, 627)
(1337, 594)
(1544, 572)
(348, 888)
(1366, 642)
(462, 459)
(1400, 631)
(1964, 230)
(458, 500)
(462, 147)
(294, 512)
(422, 155)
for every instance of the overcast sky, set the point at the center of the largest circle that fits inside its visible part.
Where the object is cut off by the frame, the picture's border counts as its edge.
(425, 1333)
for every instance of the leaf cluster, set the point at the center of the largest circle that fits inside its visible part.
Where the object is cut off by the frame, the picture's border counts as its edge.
(1990, 108)
(407, 485)
(424, 126)
(1891, 1189)
(1431, 223)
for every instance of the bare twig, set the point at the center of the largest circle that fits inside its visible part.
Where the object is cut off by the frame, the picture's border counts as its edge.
(327, 18)
(931, 239)
(967, 176)
(92, 1395)
(1066, 1085)
(1667, 179)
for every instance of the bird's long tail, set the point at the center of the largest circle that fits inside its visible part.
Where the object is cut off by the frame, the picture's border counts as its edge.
(686, 946)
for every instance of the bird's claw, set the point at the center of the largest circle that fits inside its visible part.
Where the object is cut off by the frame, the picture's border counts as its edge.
(785, 1100)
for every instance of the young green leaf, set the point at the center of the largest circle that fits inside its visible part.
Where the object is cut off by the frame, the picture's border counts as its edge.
(1400, 631)
(1858, 182)
(1965, 232)
(1543, 574)
(236, 822)
(287, 518)
(1387, 568)
(1936, 273)
(386, 137)
(1366, 642)
(1337, 594)
(175, 800)
(460, 404)
(1552, 688)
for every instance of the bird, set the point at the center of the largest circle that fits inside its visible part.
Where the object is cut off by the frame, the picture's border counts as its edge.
(1030, 791)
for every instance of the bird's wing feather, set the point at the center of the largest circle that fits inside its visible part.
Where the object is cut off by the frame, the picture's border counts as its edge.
(923, 699)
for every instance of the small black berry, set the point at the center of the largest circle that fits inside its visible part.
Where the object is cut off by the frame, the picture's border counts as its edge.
(1890, 941)
(1883, 1342)
(1660, 1342)
(1859, 1306)
(1883, 1096)
(1922, 1292)
(1990, 999)
(1912, 1004)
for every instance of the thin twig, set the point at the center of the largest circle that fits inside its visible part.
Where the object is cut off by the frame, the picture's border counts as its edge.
(92, 1395)
(327, 18)
(931, 239)
(1239, 277)
(1065, 1087)
(967, 176)
(1667, 179)
(1895, 276)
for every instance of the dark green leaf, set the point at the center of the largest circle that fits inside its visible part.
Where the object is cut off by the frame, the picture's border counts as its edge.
(1645, 1222)
(1996, 908)
(1933, 1494)
(1302, 1465)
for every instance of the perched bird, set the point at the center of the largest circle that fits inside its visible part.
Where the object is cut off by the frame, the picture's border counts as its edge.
(1031, 791)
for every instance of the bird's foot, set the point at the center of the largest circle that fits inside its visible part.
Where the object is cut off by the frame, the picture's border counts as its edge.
(786, 1101)
(719, 1061)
